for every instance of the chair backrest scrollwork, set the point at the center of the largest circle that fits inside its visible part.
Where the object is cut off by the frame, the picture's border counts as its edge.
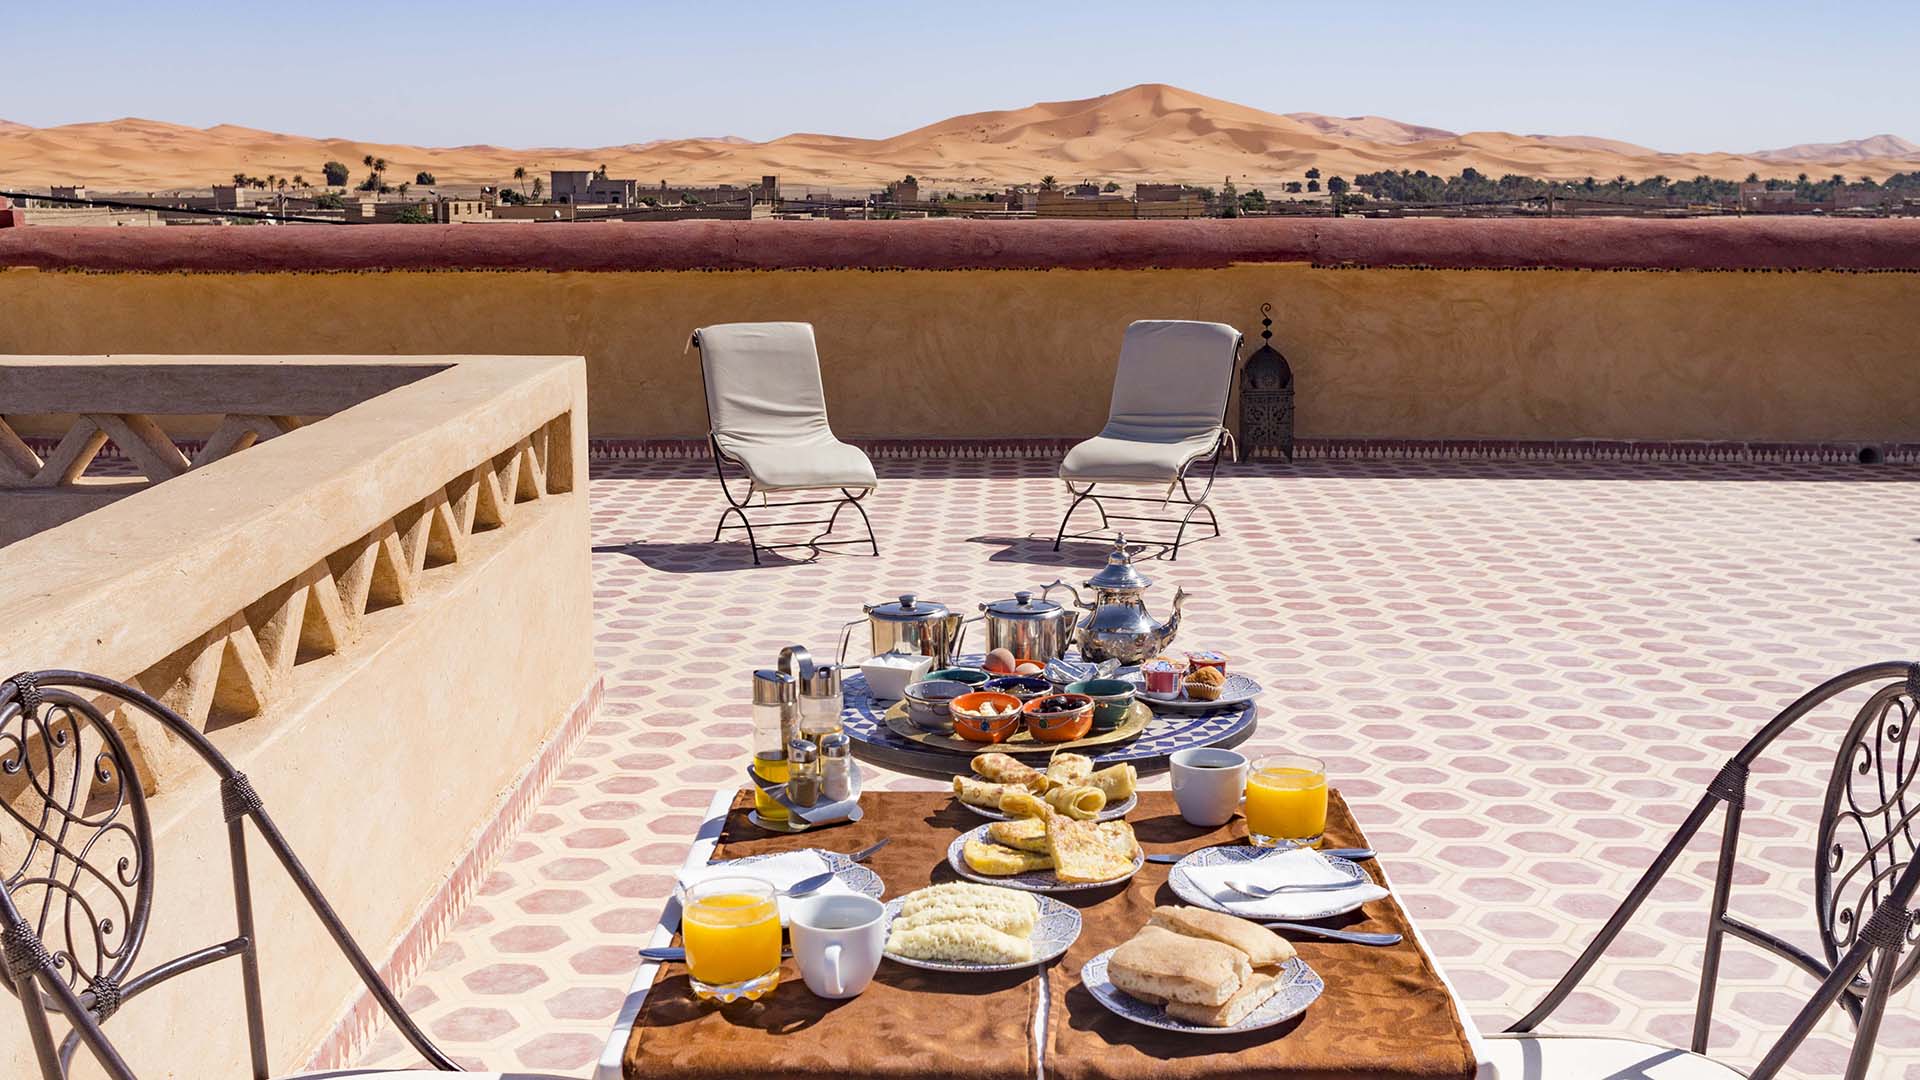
(1870, 821)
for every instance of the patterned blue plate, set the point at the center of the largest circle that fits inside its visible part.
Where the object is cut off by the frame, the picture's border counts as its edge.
(1057, 930)
(1315, 905)
(1300, 987)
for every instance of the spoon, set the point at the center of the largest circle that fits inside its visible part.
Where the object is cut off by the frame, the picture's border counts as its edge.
(1355, 937)
(864, 853)
(1351, 854)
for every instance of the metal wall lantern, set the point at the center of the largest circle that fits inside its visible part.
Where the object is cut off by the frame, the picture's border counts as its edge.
(1266, 397)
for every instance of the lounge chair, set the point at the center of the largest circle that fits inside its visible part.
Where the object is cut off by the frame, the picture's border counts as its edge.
(1866, 876)
(1169, 411)
(75, 907)
(767, 417)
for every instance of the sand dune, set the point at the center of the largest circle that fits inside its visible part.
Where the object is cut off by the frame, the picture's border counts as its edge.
(1147, 132)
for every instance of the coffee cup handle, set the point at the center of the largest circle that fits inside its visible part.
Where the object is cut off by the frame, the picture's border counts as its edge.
(830, 959)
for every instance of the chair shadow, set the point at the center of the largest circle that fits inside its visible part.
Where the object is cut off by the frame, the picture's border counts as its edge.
(701, 558)
(1038, 551)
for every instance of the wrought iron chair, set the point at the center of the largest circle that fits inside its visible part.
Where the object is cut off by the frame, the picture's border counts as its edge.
(1168, 413)
(767, 418)
(1865, 879)
(85, 876)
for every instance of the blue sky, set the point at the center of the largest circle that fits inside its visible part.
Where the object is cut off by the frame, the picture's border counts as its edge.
(1718, 76)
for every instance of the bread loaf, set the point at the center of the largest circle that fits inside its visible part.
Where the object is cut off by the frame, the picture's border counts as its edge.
(1263, 947)
(1158, 964)
(1252, 994)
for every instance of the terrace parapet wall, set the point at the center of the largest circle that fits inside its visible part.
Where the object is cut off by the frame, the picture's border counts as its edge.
(1646, 339)
(339, 582)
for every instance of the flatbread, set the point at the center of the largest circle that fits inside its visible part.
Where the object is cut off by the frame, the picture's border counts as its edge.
(1085, 852)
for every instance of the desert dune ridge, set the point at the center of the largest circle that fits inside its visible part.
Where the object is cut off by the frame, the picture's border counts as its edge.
(1146, 133)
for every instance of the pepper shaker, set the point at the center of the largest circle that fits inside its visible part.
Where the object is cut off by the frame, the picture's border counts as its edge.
(803, 773)
(836, 767)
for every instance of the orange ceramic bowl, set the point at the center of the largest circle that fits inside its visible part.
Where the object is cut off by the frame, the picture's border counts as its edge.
(970, 722)
(1057, 724)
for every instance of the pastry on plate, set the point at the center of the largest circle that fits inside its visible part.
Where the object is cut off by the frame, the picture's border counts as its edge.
(1066, 770)
(1021, 834)
(1080, 802)
(1022, 803)
(1086, 852)
(965, 923)
(1205, 684)
(963, 894)
(994, 860)
(1116, 782)
(1007, 769)
(977, 792)
(1159, 966)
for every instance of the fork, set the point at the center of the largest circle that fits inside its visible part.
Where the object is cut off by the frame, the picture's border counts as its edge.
(1250, 889)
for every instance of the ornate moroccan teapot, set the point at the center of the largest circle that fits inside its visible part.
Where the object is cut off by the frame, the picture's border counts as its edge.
(1117, 626)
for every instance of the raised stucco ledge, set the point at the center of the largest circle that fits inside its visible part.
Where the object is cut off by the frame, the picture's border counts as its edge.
(1748, 243)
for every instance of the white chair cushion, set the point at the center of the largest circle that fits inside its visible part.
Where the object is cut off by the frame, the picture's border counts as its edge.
(768, 410)
(1574, 1057)
(1103, 459)
(1169, 399)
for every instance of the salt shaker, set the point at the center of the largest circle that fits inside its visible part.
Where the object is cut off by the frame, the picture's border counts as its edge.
(836, 767)
(820, 702)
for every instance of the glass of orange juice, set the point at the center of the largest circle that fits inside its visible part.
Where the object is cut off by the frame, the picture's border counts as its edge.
(731, 928)
(1287, 801)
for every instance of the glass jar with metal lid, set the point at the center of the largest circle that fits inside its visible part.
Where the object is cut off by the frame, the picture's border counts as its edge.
(1029, 628)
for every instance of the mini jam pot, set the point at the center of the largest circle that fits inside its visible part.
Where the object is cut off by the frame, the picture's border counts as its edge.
(1111, 700)
(1208, 658)
(972, 676)
(1161, 678)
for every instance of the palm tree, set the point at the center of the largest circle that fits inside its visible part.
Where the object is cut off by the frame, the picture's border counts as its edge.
(1047, 182)
(520, 174)
(403, 189)
(380, 165)
(239, 179)
(299, 181)
(367, 161)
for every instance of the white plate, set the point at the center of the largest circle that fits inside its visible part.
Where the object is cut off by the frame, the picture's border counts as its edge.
(1335, 902)
(1119, 809)
(1039, 881)
(1300, 987)
(1057, 930)
(1238, 690)
(855, 876)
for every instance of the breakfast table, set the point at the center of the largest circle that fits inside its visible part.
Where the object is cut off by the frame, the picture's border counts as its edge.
(1386, 1013)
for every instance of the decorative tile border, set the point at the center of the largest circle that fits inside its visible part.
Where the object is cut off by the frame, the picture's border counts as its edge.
(356, 1027)
(1345, 449)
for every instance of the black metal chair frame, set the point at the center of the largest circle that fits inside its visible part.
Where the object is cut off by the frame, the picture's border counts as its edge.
(738, 507)
(89, 859)
(1193, 504)
(1864, 899)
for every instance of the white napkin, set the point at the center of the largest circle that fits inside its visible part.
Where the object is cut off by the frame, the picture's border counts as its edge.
(1300, 866)
(781, 871)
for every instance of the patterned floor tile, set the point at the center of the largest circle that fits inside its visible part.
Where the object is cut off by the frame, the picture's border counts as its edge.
(1522, 676)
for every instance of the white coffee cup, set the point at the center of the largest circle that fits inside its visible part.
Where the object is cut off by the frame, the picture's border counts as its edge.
(837, 941)
(1208, 784)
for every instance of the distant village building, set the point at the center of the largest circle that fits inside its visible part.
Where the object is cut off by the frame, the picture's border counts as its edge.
(582, 187)
(766, 192)
(1088, 201)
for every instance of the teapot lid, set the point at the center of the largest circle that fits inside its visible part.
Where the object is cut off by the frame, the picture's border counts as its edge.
(1023, 605)
(909, 608)
(1119, 572)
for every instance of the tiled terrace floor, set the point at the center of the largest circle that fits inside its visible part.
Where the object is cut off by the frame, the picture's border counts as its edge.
(1520, 674)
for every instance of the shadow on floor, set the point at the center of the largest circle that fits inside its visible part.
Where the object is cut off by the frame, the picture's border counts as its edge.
(1074, 554)
(703, 558)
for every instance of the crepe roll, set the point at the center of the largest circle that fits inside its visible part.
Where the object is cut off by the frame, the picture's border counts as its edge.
(1080, 803)
(1116, 782)
(1067, 770)
(1007, 769)
(1023, 804)
(976, 792)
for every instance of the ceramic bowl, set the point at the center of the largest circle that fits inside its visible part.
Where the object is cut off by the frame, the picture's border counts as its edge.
(972, 676)
(1059, 725)
(1024, 687)
(1111, 700)
(970, 722)
(927, 703)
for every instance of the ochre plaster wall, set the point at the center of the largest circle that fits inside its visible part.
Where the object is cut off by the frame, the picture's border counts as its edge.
(378, 780)
(1379, 353)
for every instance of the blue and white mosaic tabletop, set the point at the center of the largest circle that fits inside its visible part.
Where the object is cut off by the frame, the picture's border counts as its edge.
(865, 723)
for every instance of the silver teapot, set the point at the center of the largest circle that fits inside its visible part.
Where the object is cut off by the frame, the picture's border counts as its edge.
(1029, 628)
(922, 626)
(1117, 626)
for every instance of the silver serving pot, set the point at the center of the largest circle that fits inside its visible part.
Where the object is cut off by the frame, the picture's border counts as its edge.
(921, 625)
(1117, 625)
(1030, 629)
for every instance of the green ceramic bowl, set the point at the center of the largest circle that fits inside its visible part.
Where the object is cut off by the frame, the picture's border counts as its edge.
(1111, 700)
(970, 675)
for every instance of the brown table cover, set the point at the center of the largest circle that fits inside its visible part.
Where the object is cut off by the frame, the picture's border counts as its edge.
(1385, 1013)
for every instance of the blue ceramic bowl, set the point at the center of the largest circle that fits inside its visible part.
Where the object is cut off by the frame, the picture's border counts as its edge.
(1111, 700)
(972, 676)
(1024, 687)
